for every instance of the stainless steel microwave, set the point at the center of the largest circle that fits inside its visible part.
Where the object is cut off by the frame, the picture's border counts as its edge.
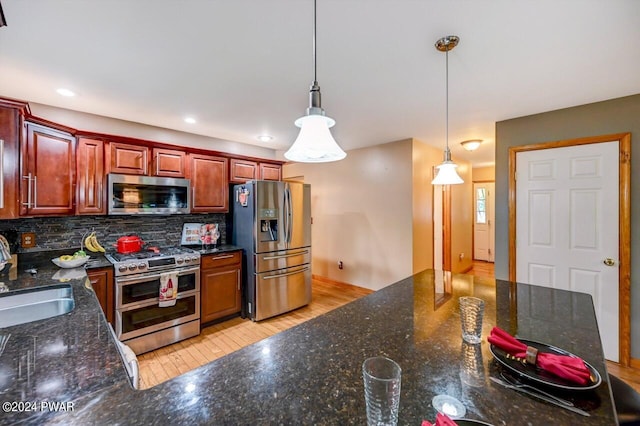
(148, 195)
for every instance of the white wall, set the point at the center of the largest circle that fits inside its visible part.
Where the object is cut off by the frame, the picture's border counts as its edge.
(112, 126)
(362, 214)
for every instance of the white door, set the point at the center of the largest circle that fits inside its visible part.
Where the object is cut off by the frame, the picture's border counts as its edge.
(567, 226)
(484, 215)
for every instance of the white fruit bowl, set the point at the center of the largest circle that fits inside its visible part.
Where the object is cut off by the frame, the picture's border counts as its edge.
(73, 263)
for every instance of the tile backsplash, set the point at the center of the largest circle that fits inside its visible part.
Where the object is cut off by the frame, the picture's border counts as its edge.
(55, 233)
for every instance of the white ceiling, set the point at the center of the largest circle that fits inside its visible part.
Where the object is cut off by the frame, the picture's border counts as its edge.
(243, 67)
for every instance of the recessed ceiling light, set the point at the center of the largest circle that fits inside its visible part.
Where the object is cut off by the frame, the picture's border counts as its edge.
(190, 120)
(65, 92)
(265, 138)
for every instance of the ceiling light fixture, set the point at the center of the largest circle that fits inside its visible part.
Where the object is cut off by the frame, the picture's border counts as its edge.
(314, 143)
(190, 120)
(447, 174)
(65, 92)
(471, 145)
(265, 138)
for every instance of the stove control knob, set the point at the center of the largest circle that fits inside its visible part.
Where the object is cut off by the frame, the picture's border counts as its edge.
(132, 267)
(180, 260)
(122, 268)
(142, 265)
(194, 258)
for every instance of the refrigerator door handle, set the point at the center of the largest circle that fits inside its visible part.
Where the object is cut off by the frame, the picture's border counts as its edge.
(286, 274)
(287, 215)
(283, 256)
(290, 213)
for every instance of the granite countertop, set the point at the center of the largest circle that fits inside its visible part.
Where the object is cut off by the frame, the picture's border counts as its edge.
(311, 374)
(224, 248)
(59, 359)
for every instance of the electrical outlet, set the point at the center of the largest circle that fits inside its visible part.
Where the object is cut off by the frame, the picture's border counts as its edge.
(28, 239)
(340, 265)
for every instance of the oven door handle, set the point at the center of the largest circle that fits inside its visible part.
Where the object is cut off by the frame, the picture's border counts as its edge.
(145, 277)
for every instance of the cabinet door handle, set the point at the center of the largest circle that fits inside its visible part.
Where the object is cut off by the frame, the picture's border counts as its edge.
(99, 195)
(226, 256)
(35, 192)
(28, 178)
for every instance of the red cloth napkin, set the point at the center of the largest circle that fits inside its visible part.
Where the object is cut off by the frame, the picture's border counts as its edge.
(572, 369)
(441, 420)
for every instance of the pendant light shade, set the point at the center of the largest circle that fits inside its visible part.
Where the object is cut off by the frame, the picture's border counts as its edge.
(447, 174)
(314, 143)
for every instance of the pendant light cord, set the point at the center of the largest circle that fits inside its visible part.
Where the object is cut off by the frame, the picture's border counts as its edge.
(315, 61)
(447, 98)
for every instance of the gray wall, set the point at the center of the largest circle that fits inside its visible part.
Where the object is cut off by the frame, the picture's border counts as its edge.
(614, 116)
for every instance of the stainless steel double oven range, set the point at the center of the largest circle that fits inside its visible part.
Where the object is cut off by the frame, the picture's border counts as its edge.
(140, 322)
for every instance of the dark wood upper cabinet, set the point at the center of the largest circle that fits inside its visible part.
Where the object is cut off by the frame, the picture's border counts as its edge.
(169, 163)
(209, 183)
(128, 159)
(10, 118)
(47, 171)
(242, 170)
(90, 177)
(270, 171)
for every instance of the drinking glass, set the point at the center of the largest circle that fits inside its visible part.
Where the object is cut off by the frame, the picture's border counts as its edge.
(382, 377)
(471, 314)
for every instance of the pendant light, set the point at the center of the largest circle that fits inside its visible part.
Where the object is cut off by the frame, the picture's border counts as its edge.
(447, 174)
(314, 143)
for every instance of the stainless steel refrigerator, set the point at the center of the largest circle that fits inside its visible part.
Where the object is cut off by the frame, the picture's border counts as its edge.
(272, 223)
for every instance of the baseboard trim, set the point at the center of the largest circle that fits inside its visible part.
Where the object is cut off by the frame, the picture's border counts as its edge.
(634, 363)
(464, 271)
(338, 283)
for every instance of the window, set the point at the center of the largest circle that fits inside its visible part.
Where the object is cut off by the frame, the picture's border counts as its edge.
(481, 206)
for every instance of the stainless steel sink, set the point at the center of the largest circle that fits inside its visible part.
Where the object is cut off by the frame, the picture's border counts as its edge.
(26, 306)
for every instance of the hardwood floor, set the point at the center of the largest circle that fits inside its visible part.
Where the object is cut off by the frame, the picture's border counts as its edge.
(221, 339)
(482, 269)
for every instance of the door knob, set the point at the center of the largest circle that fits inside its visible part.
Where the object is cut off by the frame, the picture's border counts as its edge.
(609, 262)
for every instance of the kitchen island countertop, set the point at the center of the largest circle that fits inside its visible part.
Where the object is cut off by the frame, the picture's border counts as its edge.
(311, 374)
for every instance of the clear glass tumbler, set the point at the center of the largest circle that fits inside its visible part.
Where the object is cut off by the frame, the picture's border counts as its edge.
(471, 314)
(382, 379)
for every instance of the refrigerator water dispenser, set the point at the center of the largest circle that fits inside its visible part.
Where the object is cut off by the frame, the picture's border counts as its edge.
(268, 230)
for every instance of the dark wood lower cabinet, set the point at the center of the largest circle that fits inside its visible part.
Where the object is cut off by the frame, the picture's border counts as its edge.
(102, 282)
(220, 286)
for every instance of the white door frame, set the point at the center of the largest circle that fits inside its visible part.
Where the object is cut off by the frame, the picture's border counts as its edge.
(624, 237)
